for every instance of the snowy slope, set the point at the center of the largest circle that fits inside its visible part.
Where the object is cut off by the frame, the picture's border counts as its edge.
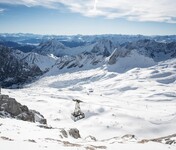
(133, 96)
(122, 60)
(43, 62)
(124, 90)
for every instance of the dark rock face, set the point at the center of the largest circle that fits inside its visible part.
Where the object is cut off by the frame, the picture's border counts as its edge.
(9, 107)
(153, 49)
(64, 133)
(103, 47)
(128, 137)
(78, 61)
(74, 133)
(116, 54)
(13, 71)
(38, 117)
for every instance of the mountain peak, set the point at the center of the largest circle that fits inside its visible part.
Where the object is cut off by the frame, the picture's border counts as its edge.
(51, 46)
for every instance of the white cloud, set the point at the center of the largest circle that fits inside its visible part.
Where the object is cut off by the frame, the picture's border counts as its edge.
(2, 10)
(136, 10)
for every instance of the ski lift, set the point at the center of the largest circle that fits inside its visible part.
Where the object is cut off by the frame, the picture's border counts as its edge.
(77, 114)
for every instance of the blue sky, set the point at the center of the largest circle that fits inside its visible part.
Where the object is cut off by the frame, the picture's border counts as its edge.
(68, 17)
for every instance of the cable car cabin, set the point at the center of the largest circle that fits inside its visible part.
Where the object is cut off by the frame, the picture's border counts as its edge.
(77, 114)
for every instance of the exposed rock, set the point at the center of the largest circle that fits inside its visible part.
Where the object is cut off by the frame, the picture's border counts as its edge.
(14, 71)
(93, 147)
(128, 136)
(68, 144)
(9, 107)
(34, 59)
(64, 133)
(90, 138)
(79, 61)
(26, 116)
(89, 148)
(117, 53)
(45, 127)
(103, 47)
(171, 139)
(38, 117)
(153, 49)
(74, 133)
(6, 138)
(31, 140)
(99, 147)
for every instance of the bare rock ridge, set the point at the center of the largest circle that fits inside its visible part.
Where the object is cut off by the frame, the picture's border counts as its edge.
(14, 71)
(9, 107)
(73, 132)
(170, 139)
(116, 54)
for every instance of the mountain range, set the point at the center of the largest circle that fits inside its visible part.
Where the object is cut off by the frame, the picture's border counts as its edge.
(92, 51)
(126, 84)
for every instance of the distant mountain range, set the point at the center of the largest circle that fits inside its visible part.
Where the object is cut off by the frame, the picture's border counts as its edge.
(25, 56)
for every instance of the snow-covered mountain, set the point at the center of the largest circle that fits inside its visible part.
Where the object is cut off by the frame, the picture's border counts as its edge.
(43, 62)
(51, 46)
(81, 39)
(151, 48)
(56, 48)
(14, 71)
(133, 109)
(97, 53)
(103, 47)
(127, 88)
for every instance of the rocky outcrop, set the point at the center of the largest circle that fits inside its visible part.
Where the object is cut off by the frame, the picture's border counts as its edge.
(78, 61)
(171, 140)
(117, 53)
(14, 71)
(73, 132)
(9, 107)
(64, 133)
(90, 138)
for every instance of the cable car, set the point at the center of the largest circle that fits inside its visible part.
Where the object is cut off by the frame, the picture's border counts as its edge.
(77, 114)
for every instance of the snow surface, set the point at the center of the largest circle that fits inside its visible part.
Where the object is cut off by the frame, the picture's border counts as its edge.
(43, 62)
(139, 101)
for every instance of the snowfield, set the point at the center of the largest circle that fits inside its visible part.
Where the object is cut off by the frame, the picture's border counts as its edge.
(140, 101)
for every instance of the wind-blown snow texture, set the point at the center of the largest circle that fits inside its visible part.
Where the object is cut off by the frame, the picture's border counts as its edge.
(125, 91)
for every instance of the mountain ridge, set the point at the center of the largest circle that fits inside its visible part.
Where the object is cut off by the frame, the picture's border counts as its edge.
(52, 53)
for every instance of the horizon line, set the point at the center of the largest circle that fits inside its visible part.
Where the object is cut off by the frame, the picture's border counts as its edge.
(25, 33)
